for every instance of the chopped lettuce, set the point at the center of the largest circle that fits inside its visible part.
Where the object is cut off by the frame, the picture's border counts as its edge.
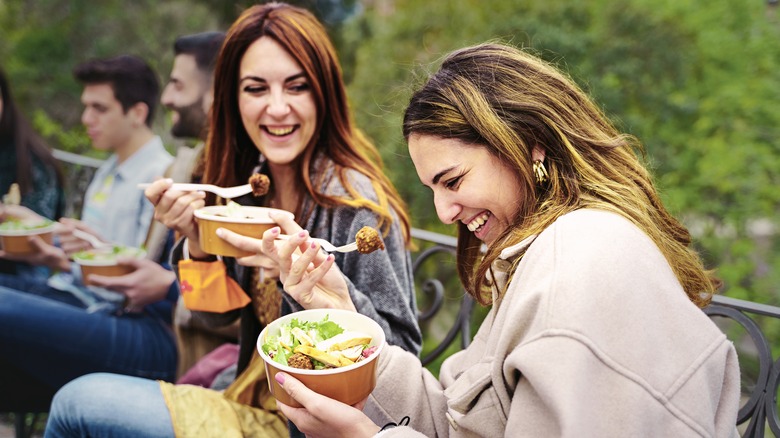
(108, 254)
(280, 347)
(22, 225)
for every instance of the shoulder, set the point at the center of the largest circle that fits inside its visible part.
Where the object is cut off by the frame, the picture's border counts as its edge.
(358, 182)
(597, 236)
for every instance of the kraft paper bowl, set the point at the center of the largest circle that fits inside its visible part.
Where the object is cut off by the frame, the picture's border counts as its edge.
(349, 384)
(16, 241)
(252, 222)
(102, 261)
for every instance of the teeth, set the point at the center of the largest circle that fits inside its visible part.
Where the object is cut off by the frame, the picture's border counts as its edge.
(280, 131)
(478, 222)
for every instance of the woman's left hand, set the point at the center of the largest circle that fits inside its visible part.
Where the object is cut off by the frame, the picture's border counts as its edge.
(258, 259)
(321, 416)
(309, 276)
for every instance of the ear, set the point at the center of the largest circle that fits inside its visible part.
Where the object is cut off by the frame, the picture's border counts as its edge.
(138, 112)
(538, 153)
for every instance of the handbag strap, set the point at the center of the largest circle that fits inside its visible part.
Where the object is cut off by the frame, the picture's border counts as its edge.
(185, 250)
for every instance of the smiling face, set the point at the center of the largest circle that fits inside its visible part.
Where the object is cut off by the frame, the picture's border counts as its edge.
(469, 184)
(276, 102)
(187, 96)
(108, 126)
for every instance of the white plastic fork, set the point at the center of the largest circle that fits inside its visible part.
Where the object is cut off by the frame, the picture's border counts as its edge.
(327, 246)
(92, 240)
(223, 192)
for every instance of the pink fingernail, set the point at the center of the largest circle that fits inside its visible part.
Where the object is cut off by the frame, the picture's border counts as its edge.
(302, 234)
(313, 245)
(275, 230)
(279, 378)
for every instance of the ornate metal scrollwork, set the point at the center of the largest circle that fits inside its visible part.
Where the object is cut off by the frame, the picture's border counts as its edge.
(434, 290)
(761, 407)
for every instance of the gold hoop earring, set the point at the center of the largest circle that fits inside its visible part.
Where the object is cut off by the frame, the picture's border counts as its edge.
(540, 172)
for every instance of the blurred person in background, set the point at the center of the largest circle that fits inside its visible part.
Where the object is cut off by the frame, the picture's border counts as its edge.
(53, 331)
(188, 96)
(27, 162)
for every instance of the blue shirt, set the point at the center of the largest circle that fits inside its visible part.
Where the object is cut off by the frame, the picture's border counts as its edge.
(114, 205)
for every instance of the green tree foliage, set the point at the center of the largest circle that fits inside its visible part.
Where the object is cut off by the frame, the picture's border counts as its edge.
(697, 82)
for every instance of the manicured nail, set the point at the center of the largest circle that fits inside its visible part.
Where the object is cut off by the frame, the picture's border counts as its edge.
(275, 230)
(330, 257)
(313, 245)
(279, 378)
(302, 234)
(220, 232)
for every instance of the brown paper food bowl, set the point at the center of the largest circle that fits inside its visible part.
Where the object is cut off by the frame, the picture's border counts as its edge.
(16, 241)
(349, 384)
(106, 264)
(253, 222)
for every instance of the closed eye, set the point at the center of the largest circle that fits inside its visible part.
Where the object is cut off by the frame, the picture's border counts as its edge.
(452, 184)
(299, 87)
(254, 89)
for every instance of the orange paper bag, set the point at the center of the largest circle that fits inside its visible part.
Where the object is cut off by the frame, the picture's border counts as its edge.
(205, 286)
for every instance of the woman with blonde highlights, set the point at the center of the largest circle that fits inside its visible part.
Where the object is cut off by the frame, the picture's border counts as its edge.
(595, 327)
(279, 109)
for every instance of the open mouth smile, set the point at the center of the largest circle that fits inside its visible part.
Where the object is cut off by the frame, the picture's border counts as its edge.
(280, 131)
(478, 221)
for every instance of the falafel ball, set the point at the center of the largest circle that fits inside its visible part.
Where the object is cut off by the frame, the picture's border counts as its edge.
(300, 361)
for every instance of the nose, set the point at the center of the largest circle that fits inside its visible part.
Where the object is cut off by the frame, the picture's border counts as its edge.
(446, 209)
(277, 104)
(167, 96)
(86, 117)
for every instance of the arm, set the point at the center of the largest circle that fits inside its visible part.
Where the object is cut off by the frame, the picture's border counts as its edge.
(175, 210)
(147, 284)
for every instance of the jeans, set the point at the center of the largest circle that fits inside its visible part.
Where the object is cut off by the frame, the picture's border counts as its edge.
(50, 335)
(109, 405)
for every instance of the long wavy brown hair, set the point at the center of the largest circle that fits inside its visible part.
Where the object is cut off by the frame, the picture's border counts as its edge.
(17, 132)
(230, 153)
(508, 101)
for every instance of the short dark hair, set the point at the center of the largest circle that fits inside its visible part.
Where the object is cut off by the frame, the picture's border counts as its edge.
(131, 78)
(203, 46)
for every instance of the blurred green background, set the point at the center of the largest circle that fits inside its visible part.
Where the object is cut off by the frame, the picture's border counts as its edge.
(697, 81)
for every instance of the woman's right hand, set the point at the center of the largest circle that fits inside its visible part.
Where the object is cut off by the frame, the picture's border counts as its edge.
(321, 416)
(175, 209)
(309, 275)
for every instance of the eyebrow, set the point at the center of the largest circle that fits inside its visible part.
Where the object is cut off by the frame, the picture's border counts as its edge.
(439, 175)
(259, 79)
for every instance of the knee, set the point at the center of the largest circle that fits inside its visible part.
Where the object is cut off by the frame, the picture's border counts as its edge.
(79, 392)
(69, 405)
